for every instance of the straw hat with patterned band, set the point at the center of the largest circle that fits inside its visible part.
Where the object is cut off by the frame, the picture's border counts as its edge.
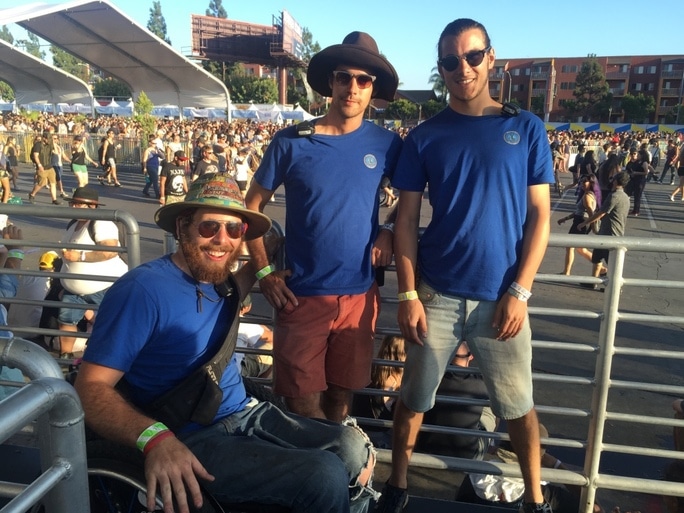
(358, 50)
(218, 191)
(87, 195)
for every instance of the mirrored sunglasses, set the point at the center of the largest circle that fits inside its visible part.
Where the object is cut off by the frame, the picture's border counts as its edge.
(209, 229)
(344, 78)
(474, 59)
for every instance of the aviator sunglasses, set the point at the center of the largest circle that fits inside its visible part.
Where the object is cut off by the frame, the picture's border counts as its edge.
(209, 229)
(344, 78)
(474, 59)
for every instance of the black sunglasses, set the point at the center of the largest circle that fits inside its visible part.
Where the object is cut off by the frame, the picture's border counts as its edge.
(474, 59)
(209, 229)
(344, 78)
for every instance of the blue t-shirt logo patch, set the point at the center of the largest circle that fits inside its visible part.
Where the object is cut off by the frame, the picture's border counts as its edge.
(370, 161)
(512, 137)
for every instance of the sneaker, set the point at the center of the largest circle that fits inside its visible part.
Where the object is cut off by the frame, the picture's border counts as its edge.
(147, 194)
(32, 199)
(63, 195)
(56, 202)
(671, 182)
(671, 198)
(393, 500)
(529, 507)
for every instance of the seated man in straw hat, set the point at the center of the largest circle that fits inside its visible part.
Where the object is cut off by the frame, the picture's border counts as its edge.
(326, 298)
(160, 325)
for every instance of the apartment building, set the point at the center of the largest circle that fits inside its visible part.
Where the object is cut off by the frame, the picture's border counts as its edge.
(541, 85)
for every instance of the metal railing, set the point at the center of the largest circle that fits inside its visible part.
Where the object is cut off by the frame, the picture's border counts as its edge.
(598, 386)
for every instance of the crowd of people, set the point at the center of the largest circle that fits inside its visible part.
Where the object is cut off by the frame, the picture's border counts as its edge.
(158, 373)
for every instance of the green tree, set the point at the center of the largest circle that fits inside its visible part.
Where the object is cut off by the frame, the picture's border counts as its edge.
(111, 87)
(637, 108)
(432, 107)
(537, 104)
(157, 24)
(245, 89)
(6, 92)
(216, 9)
(438, 84)
(32, 45)
(143, 115)
(591, 89)
(401, 109)
(6, 35)
(677, 113)
(70, 63)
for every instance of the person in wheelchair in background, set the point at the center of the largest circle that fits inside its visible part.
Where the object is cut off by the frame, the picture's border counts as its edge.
(143, 381)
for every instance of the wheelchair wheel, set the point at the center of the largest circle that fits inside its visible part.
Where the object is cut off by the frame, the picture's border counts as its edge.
(116, 481)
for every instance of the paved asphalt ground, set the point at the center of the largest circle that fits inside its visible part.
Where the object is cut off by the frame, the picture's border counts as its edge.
(660, 219)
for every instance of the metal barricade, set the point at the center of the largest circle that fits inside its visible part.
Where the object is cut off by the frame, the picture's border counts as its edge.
(52, 403)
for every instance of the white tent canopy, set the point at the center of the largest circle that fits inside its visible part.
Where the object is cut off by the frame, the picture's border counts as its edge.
(98, 33)
(35, 81)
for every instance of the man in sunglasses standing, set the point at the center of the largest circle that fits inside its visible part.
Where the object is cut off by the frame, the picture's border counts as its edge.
(326, 297)
(470, 275)
(164, 321)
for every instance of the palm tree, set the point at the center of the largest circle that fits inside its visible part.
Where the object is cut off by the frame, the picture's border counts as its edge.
(438, 85)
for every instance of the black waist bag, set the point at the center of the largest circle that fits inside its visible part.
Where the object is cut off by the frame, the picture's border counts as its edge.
(197, 398)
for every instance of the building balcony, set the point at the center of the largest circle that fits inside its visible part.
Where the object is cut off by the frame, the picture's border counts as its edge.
(539, 91)
(539, 75)
(669, 92)
(496, 76)
(665, 110)
(678, 73)
(617, 74)
(617, 91)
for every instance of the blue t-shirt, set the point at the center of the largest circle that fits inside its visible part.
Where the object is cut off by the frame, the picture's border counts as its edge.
(478, 170)
(331, 193)
(149, 327)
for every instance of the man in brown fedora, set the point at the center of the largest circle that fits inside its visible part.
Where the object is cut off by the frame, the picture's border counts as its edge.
(326, 296)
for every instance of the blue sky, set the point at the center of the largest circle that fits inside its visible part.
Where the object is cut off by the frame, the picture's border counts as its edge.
(407, 31)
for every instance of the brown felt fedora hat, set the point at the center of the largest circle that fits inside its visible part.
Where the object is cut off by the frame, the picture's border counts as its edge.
(358, 50)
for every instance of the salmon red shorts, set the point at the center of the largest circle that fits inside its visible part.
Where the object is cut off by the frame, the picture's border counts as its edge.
(325, 340)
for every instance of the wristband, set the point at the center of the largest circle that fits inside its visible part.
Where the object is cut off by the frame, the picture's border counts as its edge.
(520, 292)
(557, 464)
(15, 253)
(407, 296)
(388, 226)
(148, 434)
(264, 272)
(155, 440)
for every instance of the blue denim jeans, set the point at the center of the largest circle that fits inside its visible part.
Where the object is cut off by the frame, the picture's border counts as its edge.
(267, 456)
(72, 316)
(153, 181)
(506, 365)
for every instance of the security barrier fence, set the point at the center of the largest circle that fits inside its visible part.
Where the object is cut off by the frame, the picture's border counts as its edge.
(601, 350)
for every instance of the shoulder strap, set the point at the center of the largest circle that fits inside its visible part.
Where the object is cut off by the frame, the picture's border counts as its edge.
(215, 367)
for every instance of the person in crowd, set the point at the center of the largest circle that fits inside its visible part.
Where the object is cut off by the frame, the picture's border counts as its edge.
(638, 168)
(221, 156)
(207, 165)
(585, 207)
(507, 492)
(464, 416)
(444, 288)
(80, 160)
(242, 169)
(613, 217)
(254, 336)
(680, 174)
(5, 188)
(172, 182)
(670, 159)
(606, 171)
(79, 290)
(327, 299)
(10, 259)
(589, 164)
(151, 162)
(41, 156)
(383, 377)
(158, 326)
(108, 159)
(577, 165)
(58, 159)
(13, 151)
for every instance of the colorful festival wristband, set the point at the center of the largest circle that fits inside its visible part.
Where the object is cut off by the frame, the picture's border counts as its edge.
(148, 434)
(265, 272)
(15, 253)
(155, 440)
(407, 296)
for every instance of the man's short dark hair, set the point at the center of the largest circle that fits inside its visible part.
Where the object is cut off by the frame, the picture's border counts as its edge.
(457, 27)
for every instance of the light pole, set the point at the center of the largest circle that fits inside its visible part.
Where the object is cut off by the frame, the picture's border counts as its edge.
(510, 83)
